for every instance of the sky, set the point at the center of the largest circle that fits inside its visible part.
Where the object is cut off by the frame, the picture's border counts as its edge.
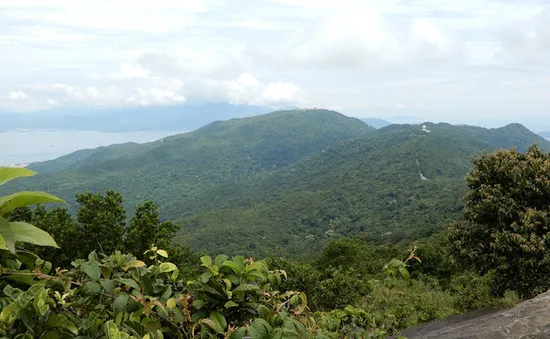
(460, 61)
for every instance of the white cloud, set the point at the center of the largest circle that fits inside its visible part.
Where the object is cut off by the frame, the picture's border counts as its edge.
(246, 89)
(19, 95)
(353, 54)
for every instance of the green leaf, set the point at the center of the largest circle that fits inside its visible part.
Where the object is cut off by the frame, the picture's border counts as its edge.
(30, 234)
(238, 333)
(112, 330)
(246, 288)
(263, 311)
(404, 273)
(162, 253)
(108, 286)
(130, 282)
(106, 272)
(206, 276)
(166, 267)
(256, 274)
(7, 238)
(233, 266)
(220, 259)
(40, 304)
(171, 303)
(206, 261)
(92, 269)
(198, 303)
(10, 173)
(119, 304)
(91, 288)
(260, 328)
(21, 199)
(27, 258)
(61, 321)
(219, 321)
(230, 304)
(239, 260)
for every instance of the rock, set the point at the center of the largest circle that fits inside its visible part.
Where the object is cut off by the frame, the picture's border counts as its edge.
(527, 320)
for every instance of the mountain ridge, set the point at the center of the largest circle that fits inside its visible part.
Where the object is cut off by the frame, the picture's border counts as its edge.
(289, 181)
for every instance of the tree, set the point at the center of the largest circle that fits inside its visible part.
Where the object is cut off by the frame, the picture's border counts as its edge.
(507, 220)
(146, 229)
(60, 224)
(24, 214)
(102, 221)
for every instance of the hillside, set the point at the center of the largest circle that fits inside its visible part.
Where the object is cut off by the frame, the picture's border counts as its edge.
(370, 186)
(174, 170)
(289, 181)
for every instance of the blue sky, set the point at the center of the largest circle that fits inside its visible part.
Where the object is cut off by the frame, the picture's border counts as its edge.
(448, 60)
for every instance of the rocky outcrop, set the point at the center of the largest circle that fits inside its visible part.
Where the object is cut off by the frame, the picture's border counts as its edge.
(528, 320)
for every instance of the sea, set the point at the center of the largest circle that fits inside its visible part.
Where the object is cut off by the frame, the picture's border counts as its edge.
(19, 148)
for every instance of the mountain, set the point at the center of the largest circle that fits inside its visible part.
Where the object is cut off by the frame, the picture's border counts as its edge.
(371, 186)
(175, 170)
(545, 135)
(289, 181)
(376, 123)
(152, 118)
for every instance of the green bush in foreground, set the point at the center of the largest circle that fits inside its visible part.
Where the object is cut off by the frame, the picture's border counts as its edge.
(119, 296)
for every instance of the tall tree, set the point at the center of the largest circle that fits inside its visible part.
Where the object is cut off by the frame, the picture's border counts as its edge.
(146, 229)
(102, 220)
(61, 225)
(507, 220)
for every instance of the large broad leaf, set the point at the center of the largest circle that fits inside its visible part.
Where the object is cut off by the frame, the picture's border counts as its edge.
(8, 239)
(21, 199)
(91, 268)
(166, 267)
(31, 234)
(10, 173)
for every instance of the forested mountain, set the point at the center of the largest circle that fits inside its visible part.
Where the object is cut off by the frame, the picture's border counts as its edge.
(289, 181)
(371, 185)
(174, 170)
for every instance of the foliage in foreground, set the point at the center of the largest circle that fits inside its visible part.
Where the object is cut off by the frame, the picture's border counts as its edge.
(119, 296)
(507, 224)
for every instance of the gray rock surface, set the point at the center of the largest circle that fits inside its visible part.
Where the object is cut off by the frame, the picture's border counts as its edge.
(528, 320)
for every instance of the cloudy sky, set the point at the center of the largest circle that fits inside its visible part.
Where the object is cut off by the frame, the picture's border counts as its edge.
(451, 60)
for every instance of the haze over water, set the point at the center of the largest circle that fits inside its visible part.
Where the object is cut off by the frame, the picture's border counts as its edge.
(30, 146)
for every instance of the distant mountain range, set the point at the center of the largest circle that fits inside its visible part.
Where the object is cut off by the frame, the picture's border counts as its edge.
(545, 135)
(288, 181)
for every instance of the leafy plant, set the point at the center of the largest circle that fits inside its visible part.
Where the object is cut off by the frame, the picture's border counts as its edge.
(17, 231)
